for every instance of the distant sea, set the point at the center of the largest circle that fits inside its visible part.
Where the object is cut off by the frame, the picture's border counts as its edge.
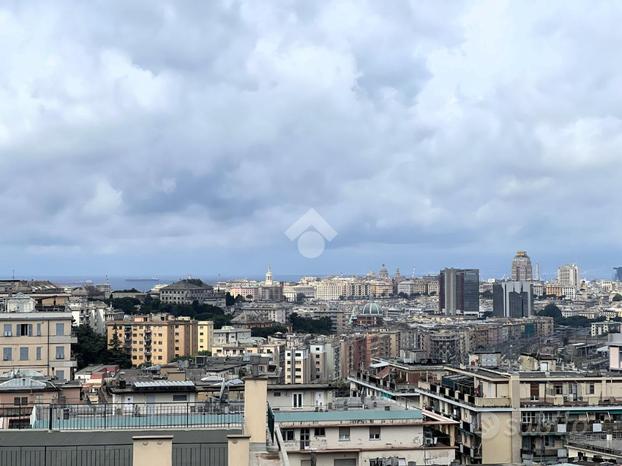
(144, 283)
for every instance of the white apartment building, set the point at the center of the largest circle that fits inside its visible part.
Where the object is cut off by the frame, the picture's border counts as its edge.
(374, 433)
(228, 335)
(568, 275)
(322, 361)
(93, 314)
(20, 303)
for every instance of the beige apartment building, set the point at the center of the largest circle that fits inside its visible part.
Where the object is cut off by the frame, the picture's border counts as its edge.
(154, 338)
(519, 416)
(206, 335)
(39, 341)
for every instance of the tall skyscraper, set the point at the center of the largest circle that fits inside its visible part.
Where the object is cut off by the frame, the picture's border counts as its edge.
(458, 291)
(568, 275)
(512, 299)
(521, 267)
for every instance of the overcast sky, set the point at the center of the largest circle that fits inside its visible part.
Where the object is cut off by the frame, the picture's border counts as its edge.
(142, 137)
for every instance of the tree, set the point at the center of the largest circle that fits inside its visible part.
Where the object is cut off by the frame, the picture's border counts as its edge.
(551, 310)
(91, 348)
(617, 297)
(229, 300)
(127, 305)
(323, 325)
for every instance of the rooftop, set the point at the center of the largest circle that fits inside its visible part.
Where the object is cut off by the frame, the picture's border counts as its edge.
(341, 415)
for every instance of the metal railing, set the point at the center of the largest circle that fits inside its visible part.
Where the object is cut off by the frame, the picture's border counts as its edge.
(66, 455)
(130, 416)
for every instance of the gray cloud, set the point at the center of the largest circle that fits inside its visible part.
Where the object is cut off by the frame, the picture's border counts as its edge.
(203, 129)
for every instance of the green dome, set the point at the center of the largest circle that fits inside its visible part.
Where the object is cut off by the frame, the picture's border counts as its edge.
(371, 309)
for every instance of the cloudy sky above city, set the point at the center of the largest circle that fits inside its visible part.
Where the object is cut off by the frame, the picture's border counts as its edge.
(172, 138)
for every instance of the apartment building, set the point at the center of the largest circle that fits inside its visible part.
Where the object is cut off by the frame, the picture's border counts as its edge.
(186, 292)
(357, 351)
(38, 341)
(450, 340)
(273, 349)
(298, 366)
(520, 416)
(228, 335)
(350, 432)
(322, 361)
(93, 314)
(154, 338)
(205, 340)
(568, 275)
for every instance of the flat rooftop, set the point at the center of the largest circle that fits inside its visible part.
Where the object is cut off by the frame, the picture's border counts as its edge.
(349, 415)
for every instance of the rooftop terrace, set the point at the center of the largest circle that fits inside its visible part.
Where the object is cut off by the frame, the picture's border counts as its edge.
(129, 416)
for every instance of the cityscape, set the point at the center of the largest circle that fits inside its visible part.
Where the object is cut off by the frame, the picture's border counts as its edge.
(310, 233)
(379, 369)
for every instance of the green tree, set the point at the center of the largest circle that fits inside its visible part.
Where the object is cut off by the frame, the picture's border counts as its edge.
(323, 325)
(551, 310)
(229, 300)
(617, 297)
(91, 348)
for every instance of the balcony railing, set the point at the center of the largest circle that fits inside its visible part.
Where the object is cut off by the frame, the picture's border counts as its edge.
(130, 416)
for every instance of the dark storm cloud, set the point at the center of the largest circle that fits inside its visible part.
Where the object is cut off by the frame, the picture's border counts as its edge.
(150, 127)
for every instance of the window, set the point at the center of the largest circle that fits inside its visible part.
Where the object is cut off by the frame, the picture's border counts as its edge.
(297, 400)
(38, 353)
(320, 432)
(344, 433)
(288, 435)
(559, 389)
(276, 394)
(590, 389)
(23, 353)
(60, 329)
(374, 433)
(39, 329)
(60, 352)
(60, 374)
(7, 354)
(24, 330)
(180, 397)
(8, 330)
(20, 400)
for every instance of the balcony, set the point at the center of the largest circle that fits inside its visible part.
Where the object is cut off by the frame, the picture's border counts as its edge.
(64, 363)
(63, 339)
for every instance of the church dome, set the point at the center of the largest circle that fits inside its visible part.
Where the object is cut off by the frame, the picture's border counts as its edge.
(371, 309)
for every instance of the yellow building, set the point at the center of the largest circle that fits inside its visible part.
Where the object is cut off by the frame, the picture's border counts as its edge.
(206, 335)
(154, 338)
(39, 341)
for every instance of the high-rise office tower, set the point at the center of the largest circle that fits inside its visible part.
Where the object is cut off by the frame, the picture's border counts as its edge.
(568, 275)
(521, 267)
(458, 291)
(512, 299)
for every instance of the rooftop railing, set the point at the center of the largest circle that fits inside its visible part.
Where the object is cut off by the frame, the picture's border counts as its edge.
(130, 416)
